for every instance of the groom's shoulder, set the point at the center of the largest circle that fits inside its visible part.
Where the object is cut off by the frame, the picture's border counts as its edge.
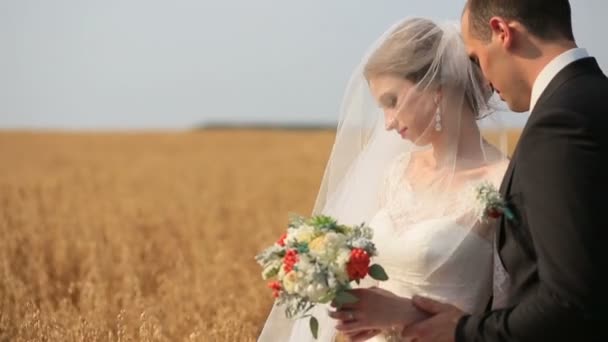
(581, 100)
(586, 87)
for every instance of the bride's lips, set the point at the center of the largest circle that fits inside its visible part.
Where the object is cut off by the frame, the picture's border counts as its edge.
(402, 132)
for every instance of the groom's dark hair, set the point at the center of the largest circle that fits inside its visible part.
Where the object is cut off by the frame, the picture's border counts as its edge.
(546, 19)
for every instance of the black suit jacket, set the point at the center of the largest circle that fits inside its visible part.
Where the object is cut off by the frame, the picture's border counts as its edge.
(556, 252)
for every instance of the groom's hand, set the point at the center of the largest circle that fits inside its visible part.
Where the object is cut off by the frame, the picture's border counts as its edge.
(440, 327)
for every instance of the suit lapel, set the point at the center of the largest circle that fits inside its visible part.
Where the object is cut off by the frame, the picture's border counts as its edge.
(506, 181)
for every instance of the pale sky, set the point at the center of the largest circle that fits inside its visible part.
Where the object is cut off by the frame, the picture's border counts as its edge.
(138, 64)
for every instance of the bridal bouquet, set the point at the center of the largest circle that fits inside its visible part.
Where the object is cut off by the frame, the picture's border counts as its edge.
(315, 262)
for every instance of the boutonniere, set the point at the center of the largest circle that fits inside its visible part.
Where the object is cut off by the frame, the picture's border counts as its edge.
(490, 204)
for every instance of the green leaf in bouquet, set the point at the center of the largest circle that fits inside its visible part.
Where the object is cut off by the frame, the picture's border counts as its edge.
(345, 297)
(323, 222)
(270, 272)
(295, 220)
(270, 254)
(314, 327)
(302, 247)
(342, 229)
(296, 306)
(326, 298)
(377, 272)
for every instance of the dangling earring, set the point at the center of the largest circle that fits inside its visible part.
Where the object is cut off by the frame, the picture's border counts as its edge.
(438, 126)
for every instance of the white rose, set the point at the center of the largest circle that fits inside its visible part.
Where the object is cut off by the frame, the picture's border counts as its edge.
(338, 267)
(332, 243)
(305, 233)
(304, 264)
(316, 292)
(291, 236)
(290, 282)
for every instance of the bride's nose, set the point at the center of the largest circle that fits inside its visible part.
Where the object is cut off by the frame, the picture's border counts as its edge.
(389, 121)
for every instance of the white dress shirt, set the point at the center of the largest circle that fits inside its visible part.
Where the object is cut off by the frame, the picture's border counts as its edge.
(552, 69)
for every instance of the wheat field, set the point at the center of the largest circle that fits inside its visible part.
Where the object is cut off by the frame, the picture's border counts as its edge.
(148, 236)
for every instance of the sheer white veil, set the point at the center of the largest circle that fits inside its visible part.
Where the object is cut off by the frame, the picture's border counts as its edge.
(444, 83)
(363, 149)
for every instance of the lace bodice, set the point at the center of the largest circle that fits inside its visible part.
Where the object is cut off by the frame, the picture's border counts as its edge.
(406, 208)
(438, 257)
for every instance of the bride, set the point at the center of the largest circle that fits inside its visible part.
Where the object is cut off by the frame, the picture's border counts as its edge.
(410, 177)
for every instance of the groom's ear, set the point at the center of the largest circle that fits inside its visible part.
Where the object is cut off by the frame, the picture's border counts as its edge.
(501, 31)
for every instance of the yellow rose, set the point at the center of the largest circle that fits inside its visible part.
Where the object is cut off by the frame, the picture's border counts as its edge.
(317, 245)
(289, 282)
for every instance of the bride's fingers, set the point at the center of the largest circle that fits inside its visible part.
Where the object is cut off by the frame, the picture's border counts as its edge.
(345, 308)
(333, 304)
(343, 315)
(358, 293)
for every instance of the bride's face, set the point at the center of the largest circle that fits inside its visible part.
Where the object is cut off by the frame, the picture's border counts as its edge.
(407, 110)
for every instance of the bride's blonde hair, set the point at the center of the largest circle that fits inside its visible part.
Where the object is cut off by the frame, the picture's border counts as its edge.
(414, 50)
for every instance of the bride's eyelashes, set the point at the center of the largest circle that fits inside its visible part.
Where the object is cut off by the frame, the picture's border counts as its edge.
(388, 101)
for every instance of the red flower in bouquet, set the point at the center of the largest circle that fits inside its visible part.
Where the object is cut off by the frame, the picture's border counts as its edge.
(281, 241)
(358, 265)
(291, 258)
(276, 288)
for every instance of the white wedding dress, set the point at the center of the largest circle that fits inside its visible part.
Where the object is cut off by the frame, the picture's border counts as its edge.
(420, 255)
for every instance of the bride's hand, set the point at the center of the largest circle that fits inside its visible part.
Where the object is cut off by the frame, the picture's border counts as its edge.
(375, 309)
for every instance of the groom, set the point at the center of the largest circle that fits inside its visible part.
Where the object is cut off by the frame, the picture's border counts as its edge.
(551, 261)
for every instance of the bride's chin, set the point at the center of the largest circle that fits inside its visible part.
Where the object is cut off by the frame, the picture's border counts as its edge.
(407, 137)
(425, 139)
(418, 142)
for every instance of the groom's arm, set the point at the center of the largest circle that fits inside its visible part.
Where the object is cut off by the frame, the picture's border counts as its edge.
(564, 190)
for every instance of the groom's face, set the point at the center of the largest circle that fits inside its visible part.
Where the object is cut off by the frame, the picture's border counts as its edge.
(497, 62)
